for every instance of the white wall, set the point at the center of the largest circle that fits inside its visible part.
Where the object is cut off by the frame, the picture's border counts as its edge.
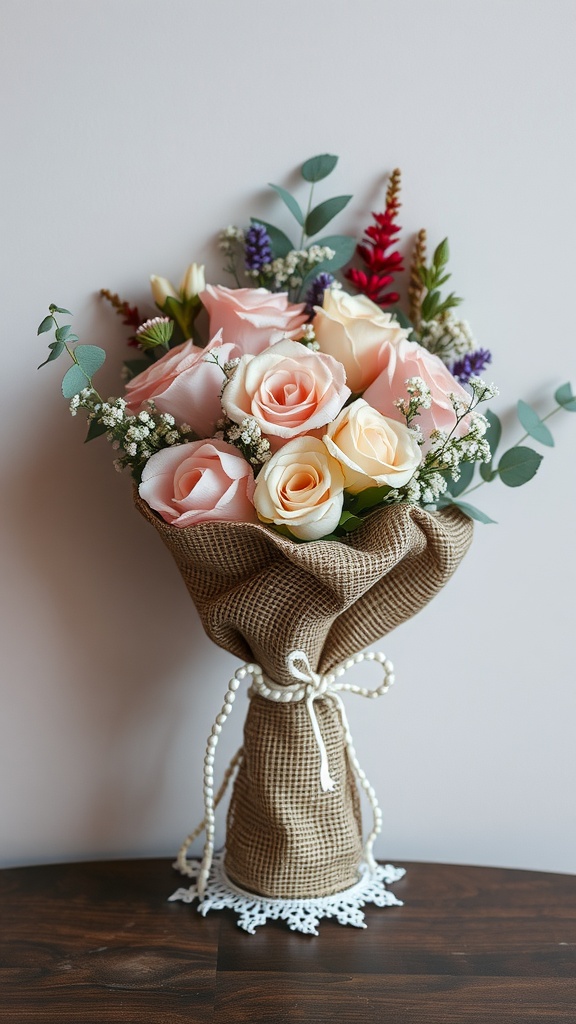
(134, 131)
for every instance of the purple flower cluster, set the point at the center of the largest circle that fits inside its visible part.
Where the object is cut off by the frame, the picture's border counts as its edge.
(471, 365)
(315, 293)
(257, 247)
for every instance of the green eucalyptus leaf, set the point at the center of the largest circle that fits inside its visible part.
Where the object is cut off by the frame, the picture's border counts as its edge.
(473, 512)
(292, 203)
(486, 472)
(402, 319)
(564, 397)
(46, 325)
(95, 429)
(344, 247)
(59, 309)
(533, 425)
(322, 214)
(56, 347)
(90, 358)
(281, 244)
(63, 332)
(494, 432)
(318, 167)
(441, 254)
(466, 473)
(518, 465)
(75, 380)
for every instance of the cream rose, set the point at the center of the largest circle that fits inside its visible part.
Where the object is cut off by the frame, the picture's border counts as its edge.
(409, 359)
(185, 382)
(252, 318)
(354, 330)
(301, 487)
(373, 451)
(288, 389)
(199, 482)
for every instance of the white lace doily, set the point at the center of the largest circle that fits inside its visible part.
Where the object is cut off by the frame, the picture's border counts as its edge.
(300, 915)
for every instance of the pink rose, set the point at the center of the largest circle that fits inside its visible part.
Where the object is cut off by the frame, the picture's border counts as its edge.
(252, 318)
(186, 383)
(408, 359)
(288, 389)
(199, 482)
(357, 332)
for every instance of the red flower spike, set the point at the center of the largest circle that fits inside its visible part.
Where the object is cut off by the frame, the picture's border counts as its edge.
(381, 263)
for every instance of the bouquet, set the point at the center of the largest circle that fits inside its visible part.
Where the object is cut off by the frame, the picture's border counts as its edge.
(304, 447)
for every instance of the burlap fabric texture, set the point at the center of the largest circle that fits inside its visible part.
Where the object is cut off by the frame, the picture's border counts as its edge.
(261, 596)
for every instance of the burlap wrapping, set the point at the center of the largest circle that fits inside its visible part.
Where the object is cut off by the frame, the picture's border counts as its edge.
(261, 596)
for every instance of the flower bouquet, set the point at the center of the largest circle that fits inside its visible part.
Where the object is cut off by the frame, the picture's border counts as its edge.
(304, 451)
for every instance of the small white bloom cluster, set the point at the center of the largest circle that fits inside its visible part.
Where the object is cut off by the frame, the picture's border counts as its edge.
(247, 436)
(293, 268)
(482, 391)
(229, 237)
(308, 338)
(447, 337)
(425, 487)
(420, 398)
(138, 436)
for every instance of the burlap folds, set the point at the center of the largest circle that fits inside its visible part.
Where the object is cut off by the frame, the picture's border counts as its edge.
(261, 596)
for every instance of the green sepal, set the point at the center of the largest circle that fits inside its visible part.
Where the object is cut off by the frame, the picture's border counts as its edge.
(57, 347)
(46, 325)
(59, 309)
(565, 398)
(292, 203)
(90, 358)
(281, 244)
(518, 465)
(75, 380)
(533, 425)
(95, 429)
(318, 167)
(322, 214)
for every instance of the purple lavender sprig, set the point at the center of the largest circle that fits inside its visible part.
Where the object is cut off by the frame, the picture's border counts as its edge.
(471, 365)
(315, 293)
(257, 248)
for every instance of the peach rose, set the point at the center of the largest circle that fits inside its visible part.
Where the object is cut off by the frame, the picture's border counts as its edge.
(354, 329)
(199, 482)
(252, 318)
(186, 383)
(301, 487)
(409, 359)
(373, 451)
(288, 389)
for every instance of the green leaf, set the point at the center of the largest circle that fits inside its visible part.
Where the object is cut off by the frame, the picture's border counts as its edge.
(494, 432)
(63, 332)
(56, 348)
(486, 472)
(466, 473)
(318, 167)
(75, 380)
(402, 319)
(46, 325)
(473, 512)
(564, 397)
(136, 366)
(441, 254)
(533, 425)
(369, 498)
(95, 429)
(518, 465)
(59, 309)
(344, 247)
(281, 244)
(322, 214)
(348, 521)
(90, 358)
(292, 203)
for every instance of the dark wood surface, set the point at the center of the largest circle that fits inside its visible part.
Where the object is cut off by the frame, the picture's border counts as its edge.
(97, 943)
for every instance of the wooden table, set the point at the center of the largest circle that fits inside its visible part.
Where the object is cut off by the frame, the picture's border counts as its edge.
(97, 943)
